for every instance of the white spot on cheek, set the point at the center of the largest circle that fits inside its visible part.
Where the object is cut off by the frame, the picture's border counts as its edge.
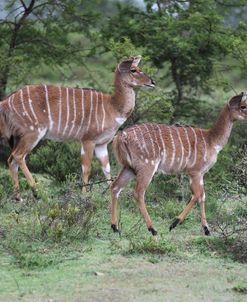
(120, 120)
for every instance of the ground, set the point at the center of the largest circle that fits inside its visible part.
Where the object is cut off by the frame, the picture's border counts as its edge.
(101, 275)
(183, 265)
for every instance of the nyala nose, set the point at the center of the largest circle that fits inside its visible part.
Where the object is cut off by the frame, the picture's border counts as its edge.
(153, 82)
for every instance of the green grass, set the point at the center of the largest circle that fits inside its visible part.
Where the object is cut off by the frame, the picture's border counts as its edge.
(183, 265)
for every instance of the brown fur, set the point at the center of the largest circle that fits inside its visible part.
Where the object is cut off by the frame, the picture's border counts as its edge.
(143, 149)
(38, 112)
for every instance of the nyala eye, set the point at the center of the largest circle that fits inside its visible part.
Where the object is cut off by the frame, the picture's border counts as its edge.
(243, 107)
(133, 70)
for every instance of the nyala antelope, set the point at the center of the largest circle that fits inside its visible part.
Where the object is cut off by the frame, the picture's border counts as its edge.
(146, 148)
(38, 112)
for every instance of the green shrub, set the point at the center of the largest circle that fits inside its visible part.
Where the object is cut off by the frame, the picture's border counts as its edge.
(46, 224)
(151, 246)
(56, 159)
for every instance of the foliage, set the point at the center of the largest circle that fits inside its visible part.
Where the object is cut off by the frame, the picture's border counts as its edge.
(37, 33)
(189, 39)
(160, 247)
(33, 232)
(56, 159)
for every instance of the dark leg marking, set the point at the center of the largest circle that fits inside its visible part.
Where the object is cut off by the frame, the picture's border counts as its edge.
(114, 228)
(174, 224)
(153, 231)
(35, 193)
(206, 231)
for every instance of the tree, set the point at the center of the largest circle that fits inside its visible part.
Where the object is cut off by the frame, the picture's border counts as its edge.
(188, 37)
(37, 32)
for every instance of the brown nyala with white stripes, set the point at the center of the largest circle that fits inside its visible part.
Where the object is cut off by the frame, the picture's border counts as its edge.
(38, 112)
(146, 148)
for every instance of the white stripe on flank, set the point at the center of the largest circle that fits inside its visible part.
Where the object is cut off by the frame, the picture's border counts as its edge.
(67, 110)
(155, 140)
(182, 149)
(31, 106)
(96, 110)
(9, 102)
(205, 146)
(195, 147)
(25, 113)
(173, 147)
(42, 133)
(103, 112)
(137, 140)
(151, 139)
(82, 113)
(162, 142)
(189, 146)
(48, 108)
(73, 121)
(143, 140)
(91, 109)
(60, 109)
(13, 106)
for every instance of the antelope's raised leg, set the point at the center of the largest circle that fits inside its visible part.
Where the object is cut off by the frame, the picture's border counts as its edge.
(203, 215)
(102, 155)
(118, 184)
(197, 194)
(143, 179)
(86, 159)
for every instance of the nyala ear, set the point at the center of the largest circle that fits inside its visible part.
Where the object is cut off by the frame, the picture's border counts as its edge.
(244, 97)
(126, 65)
(235, 101)
(136, 61)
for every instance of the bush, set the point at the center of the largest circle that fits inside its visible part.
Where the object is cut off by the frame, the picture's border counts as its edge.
(230, 223)
(32, 232)
(56, 159)
(151, 246)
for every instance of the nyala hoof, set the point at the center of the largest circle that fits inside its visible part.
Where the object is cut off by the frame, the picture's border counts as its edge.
(114, 228)
(206, 231)
(153, 231)
(174, 224)
(35, 193)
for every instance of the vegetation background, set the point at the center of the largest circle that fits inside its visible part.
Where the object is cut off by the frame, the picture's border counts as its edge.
(59, 246)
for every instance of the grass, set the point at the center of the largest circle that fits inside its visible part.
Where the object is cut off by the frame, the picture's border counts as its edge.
(183, 265)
